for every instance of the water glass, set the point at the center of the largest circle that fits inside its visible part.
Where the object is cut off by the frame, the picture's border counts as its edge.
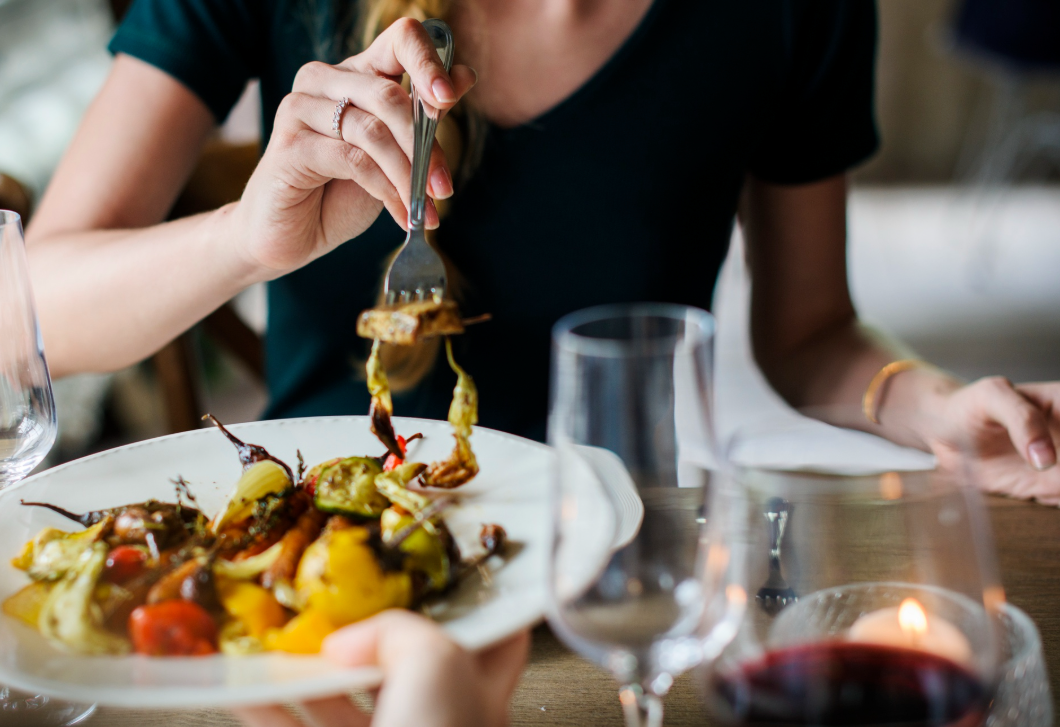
(630, 419)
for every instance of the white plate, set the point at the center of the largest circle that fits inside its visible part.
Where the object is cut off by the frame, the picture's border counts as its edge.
(512, 489)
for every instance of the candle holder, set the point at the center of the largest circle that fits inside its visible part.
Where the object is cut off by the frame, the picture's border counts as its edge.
(894, 592)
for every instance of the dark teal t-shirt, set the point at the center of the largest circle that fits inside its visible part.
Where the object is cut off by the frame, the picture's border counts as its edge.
(625, 191)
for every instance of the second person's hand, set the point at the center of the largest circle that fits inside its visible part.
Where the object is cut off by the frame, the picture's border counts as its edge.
(428, 681)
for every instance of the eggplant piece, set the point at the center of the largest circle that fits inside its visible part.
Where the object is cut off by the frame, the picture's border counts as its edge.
(249, 454)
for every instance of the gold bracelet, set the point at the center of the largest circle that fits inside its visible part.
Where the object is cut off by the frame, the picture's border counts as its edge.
(869, 402)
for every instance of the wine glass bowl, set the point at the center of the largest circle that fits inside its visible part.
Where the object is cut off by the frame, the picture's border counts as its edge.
(630, 419)
(27, 409)
(28, 426)
(897, 591)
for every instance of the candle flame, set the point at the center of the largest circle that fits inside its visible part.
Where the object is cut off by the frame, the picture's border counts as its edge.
(911, 617)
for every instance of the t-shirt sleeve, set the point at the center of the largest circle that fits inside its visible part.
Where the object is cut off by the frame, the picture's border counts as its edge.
(823, 120)
(210, 46)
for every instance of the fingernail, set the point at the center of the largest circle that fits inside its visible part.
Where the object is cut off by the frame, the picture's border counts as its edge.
(1042, 455)
(432, 215)
(441, 183)
(443, 90)
(476, 76)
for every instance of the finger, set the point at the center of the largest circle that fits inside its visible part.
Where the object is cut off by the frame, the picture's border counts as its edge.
(360, 129)
(1044, 395)
(383, 640)
(270, 716)
(503, 664)
(334, 712)
(405, 47)
(1025, 422)
(312, 159)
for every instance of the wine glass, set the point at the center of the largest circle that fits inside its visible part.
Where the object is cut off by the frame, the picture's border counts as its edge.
(27, 430)
(873, 591)
(630, 419)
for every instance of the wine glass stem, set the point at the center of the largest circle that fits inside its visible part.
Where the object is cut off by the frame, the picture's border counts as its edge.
(642, 709)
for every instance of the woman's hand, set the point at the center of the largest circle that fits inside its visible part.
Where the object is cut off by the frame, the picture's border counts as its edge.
(428, 681)
(312, 190)
(1009, 434)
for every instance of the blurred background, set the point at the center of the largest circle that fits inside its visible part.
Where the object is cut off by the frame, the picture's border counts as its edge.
(954, 225)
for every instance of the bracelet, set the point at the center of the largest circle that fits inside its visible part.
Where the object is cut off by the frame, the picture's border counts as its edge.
(869, 403)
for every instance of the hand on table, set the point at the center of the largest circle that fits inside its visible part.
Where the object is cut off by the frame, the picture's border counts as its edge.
(1012, 431)
(428, 680)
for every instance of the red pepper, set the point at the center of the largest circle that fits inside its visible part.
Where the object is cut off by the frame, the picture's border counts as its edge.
(124, 563)
(392, 460)
(173, 628)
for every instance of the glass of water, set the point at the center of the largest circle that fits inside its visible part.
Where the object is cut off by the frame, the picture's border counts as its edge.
(27, 430)
(630, 419)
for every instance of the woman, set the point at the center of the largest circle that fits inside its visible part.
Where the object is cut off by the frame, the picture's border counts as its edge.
(605, 148)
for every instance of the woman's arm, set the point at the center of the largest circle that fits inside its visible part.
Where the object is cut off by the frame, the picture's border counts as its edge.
(811, 348)
(113, 285)
(111, 288)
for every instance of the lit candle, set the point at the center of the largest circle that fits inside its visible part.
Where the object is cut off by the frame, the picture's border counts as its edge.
(908, 626)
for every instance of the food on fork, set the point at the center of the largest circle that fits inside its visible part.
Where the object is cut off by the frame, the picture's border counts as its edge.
(409, 323)
(289, 558)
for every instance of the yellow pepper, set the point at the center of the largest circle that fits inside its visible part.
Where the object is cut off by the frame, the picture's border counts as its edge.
(424, 547)
(252, 605)
(26, 604)
(340, 576)
(304, 634)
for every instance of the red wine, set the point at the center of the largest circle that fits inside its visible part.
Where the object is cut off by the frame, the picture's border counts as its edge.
(841, 683)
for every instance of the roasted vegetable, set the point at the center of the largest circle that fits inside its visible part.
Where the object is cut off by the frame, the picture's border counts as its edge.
(342, 578)
(259, 480)
(426, 548)
(249, 454)
(463, 415)
(394, 486)
(382, 406)
(410, 323)
(161, 524)
(71, 618)
(303, 634)
(173, 628)
(253, 606)
(347, 487)
(125, 563)
(26, 604)
(54, 553)
(293, 546)
(247, 568)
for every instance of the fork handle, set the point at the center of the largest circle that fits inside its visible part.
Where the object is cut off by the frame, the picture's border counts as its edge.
(424, 123)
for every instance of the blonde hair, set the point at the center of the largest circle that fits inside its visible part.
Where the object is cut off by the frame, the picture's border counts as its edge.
(461, 134)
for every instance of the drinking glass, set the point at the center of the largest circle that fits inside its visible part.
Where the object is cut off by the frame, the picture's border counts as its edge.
(630, 419)
(873, 594)
(27, 429)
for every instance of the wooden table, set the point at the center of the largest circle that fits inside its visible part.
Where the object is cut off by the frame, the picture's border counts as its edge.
(559, 688)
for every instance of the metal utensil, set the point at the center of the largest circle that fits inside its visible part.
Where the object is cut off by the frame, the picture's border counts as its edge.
(775, 594)
(417, 272)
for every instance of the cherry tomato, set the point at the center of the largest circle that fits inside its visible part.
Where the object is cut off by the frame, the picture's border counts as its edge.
(124, 563)
(392, 459)
(173, 628)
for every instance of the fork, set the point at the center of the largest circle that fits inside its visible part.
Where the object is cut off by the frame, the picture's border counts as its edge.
(775, 593)
(417, 272)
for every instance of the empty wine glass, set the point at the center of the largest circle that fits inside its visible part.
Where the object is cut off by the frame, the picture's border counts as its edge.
(630, 419)
(27, 430)
(890, 585)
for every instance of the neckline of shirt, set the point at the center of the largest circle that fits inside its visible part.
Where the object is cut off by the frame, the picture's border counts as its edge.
(629, 45)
